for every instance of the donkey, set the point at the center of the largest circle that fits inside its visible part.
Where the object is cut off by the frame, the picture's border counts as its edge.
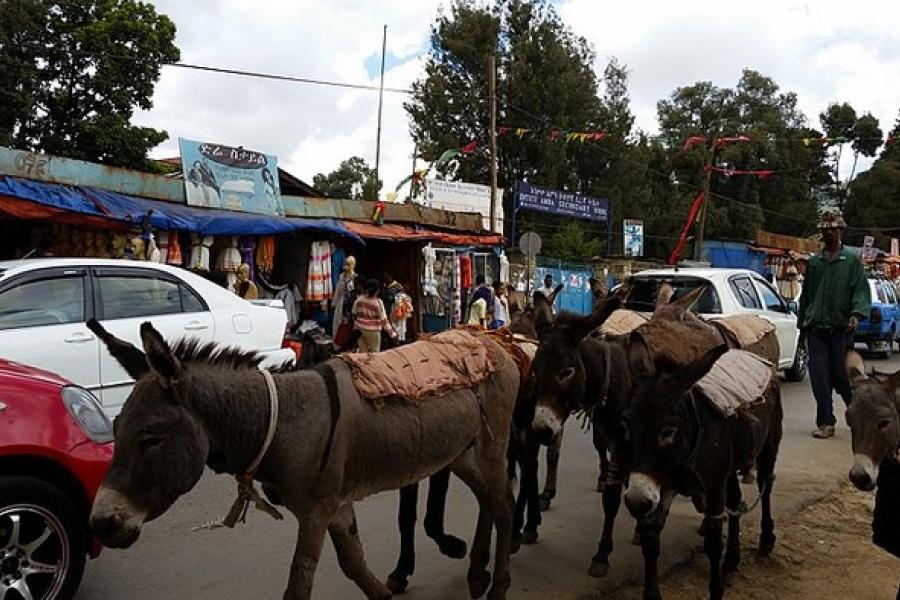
(194, 405)
(874, 420)
(680, 444)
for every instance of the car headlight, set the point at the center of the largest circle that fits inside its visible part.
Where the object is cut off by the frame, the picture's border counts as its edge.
(85, 409)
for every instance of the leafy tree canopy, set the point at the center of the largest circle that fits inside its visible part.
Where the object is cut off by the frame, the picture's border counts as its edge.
(72, 72)
(354, 178)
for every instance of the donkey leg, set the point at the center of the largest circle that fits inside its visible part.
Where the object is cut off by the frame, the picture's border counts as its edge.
(345, 537)
(529, 488)
(650, 531)
(479, 579)
(310, 538)
(602, 448)
(398, 580)
(612, 501)
(449, 545)
(553, 451)
(712, 542)
(767, 524)
(733, 549)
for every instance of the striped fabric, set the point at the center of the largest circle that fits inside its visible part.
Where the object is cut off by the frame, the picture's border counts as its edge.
(370, 313)
(318, 281)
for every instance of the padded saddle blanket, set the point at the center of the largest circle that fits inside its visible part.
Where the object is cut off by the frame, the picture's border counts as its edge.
(746, 329)
(622, 322)
(451, 359)
(738, 380)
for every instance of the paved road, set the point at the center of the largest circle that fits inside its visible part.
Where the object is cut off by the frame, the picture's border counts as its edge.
(252, 561)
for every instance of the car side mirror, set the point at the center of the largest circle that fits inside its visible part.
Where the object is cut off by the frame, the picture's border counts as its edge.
(792, 306)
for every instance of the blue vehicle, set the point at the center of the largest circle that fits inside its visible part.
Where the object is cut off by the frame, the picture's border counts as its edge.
(882, 327)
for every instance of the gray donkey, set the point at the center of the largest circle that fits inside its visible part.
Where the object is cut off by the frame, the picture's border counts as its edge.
(195, 405)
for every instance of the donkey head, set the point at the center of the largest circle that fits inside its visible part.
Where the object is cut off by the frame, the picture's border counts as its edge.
(662, 428)
(161, 447)
(559, 373)
(873, 419)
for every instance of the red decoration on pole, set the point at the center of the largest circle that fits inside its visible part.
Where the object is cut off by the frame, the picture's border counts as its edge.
(724, 141)
(469, 148)
(682, 240)
(692, 141)
(554, 135)
(501, 131)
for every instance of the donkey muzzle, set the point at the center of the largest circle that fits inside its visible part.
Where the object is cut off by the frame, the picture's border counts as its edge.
(642, 496)
(114, 519)
(864, 473)
(546, 424)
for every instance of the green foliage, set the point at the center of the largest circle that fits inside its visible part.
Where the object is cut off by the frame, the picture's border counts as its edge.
(874, 200)
(72, 73)
(572, 243)
(354, 178)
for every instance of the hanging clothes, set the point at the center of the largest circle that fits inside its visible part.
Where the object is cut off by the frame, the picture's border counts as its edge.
(456, 294)
(163, 245)
(246, 246)
(465, 272)
(337, 267)
(291, 298)
(504, 268)
(318, 279)
(229, 259)
(429, 281)
(200, 246)
(265, 254)
(174, 255)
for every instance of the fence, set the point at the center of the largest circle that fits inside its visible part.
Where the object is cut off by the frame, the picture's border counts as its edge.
(576, 293)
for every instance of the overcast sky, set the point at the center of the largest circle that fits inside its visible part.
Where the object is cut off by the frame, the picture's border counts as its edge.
(824, 50)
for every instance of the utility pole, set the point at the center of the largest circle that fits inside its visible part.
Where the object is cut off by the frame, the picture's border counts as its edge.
(492, 77)
(380, 101)
(698, 245)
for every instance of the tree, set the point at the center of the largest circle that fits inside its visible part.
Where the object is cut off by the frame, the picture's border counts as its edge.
(572, 243)
(842, 126)
(873, 205)
(72, 73)
(354, 178)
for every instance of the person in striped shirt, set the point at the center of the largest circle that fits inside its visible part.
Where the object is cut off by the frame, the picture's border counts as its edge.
(371, 318)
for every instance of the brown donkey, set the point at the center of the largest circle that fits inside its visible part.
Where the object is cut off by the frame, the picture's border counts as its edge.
(194, 406)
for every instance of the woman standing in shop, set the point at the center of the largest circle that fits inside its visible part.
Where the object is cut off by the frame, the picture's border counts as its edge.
(370, 318)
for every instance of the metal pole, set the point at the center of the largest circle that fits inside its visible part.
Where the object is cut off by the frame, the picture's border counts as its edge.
(698, 245)
(492, 77)
(380, 101)
(412, 182)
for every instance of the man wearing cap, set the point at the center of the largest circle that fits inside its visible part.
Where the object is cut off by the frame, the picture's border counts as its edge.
(835, 297)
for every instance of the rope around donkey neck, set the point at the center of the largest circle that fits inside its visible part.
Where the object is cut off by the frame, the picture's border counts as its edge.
(247, 491)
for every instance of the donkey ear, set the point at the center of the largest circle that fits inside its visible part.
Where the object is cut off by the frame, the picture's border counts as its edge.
(677, 308)
(552, 299)
(855, 367)
(159, 355)
(132, 360)
(583, 327)
(598, 288)
(543, 314)
(690, 374)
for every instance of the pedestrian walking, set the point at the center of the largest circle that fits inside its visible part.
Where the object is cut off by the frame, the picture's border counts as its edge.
(835, 297)
(370, 318)
(501, 307)
(547, 290)
(482, 291)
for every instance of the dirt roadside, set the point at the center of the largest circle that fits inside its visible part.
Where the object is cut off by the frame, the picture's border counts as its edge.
(824, 552)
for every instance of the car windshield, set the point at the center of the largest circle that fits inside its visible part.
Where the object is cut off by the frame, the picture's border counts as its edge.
(644, 291)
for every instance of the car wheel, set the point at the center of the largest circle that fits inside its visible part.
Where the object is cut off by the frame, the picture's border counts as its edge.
(43, 542)
(797, 371)
(888, 350)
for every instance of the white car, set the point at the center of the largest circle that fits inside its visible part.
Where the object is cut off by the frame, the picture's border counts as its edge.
(729, 292)
(44, 304)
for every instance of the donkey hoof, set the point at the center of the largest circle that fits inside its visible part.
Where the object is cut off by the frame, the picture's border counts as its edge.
(530, 537)
(478, 584)
(766, 544)
(601, 485)
(598, 569)
(453, 547)
(397, 584)
(544, 504)
(515, 543)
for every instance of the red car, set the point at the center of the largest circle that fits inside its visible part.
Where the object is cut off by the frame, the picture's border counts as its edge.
(55, 449)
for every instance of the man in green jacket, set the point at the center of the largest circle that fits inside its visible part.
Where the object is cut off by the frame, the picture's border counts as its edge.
(835, 297)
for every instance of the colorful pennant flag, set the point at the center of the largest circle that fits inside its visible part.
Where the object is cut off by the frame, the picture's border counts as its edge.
(761, 173)
(469, 148)
(521, 132)
(501, 131)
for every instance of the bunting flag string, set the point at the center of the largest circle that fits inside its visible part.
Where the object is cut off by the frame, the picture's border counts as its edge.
(761, 173)
(554, 135)
(724, 141)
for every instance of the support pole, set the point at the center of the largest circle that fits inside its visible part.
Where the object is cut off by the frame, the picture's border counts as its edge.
(698, 245)
(492, 77)
(380, 102)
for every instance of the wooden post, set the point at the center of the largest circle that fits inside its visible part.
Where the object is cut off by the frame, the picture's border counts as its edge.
(380, 101)
(698, 245)
(492, 77)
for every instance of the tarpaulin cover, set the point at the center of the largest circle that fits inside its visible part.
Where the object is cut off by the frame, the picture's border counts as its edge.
(166, 216)
(405, 233)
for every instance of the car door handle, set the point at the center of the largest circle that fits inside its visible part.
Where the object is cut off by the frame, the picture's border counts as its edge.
(78, 338)
(196, 326)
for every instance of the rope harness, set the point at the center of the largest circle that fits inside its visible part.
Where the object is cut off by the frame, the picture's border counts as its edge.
(246, 488)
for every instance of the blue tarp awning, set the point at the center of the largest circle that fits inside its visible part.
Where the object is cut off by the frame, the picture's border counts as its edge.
(166, 216)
